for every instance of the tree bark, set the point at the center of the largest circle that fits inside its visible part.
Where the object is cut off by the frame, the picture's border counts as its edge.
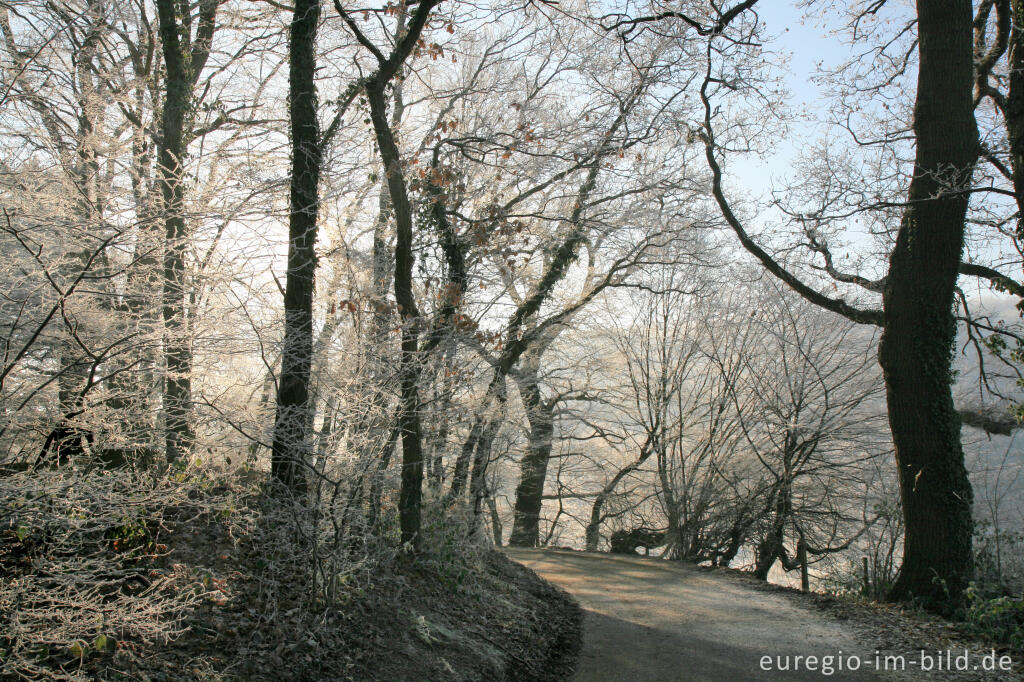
(411, 492)
(771, 545)
(496, 529)
(919, 328)
(181, 73)
(534, 465)
(291, 437)
(461, 473)
(482, 458)
(1015, 108)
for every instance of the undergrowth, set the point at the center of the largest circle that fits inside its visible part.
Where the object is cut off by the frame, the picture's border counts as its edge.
(197, 575)
(82, 577)
(995, 600)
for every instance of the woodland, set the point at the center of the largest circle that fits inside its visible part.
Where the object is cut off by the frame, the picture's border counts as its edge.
(305, 304)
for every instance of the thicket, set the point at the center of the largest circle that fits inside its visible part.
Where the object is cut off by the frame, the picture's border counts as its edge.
(198, 573)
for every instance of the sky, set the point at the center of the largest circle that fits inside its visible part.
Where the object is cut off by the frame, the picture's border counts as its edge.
(807, 44)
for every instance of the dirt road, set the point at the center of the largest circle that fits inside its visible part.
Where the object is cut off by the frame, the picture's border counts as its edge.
(652, 620)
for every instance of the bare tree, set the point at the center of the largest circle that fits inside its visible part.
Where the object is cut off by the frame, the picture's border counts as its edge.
(812, 422)
(409, 416)
(918, 331)
(185, 55)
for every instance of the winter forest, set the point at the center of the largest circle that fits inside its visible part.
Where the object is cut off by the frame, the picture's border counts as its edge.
(297, 295)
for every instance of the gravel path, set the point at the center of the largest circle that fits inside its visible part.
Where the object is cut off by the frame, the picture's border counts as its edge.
(646, 619)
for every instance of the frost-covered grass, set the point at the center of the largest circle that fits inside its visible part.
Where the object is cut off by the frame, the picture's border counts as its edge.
(203, 575)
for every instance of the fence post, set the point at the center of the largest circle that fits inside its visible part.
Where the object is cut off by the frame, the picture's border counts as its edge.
(801, 554)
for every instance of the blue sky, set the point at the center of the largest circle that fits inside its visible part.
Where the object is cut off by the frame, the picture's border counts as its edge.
(806, 43)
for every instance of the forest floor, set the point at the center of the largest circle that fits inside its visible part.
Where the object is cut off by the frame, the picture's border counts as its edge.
(466, 616)
(651, 620)
(215, 588)
(411, 624)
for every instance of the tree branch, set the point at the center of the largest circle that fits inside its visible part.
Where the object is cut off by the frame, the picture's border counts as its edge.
(836, 305)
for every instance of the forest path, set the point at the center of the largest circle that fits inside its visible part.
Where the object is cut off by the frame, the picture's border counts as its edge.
(646, 619)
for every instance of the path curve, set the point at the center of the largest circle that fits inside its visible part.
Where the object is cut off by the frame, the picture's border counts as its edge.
(650, 620)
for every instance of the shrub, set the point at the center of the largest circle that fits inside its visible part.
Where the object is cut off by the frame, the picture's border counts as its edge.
(998, 563)
(79, 575)
(1001, 618)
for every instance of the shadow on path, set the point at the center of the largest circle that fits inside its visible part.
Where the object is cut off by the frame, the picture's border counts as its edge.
(650, 620)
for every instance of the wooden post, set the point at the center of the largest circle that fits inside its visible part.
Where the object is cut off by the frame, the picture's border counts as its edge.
(867, 577)
(801, 556)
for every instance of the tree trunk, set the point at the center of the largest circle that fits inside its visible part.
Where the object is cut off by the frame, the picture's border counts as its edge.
(377, 477)
(673, 534)
(496, 529)
(461, 473)
(291, 437)
(534, 466)
(801, 557)
(443, 386)
(533, 473)
(411, 492)
(1015, 108)
(181, 71)
(481, 424)
(592, 536)
(770, 547)
(177, 350)
(919, 328)
(481, 460)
